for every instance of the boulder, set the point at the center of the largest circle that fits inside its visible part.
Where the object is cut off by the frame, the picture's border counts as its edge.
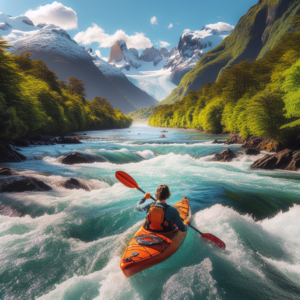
(73, 183)
(294, 165)
(8, 154)
(8, 171)
(23, 184)
(280, 160)
(252, 152)
(76, 158)
(235, 139)
(218, 142)
(256, 142)
(225, 156)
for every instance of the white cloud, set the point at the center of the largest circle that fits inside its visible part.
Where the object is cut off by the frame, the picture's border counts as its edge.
(153, 20)
(98, 35)
(186, 30)
(163, 44)
(170, 26)
(54, 13)
(221, 26)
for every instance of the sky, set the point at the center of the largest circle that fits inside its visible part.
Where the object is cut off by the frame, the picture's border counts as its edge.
(98, 23)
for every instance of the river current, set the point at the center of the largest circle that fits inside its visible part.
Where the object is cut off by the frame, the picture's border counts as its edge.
(69, 244)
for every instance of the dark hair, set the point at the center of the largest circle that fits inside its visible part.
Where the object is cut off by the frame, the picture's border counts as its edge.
(162, 192)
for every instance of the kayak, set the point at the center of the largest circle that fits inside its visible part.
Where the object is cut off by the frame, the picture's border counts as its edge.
(147, 248)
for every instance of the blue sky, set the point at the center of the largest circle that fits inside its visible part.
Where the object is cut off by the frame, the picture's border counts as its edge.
(133, 17)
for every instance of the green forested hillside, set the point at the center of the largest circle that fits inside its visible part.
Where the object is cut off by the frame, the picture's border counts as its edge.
(253, 97)
(256, 33)
(142, 114)
(33, 101)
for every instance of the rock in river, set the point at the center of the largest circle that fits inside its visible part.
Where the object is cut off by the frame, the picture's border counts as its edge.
(76, 158)
(21, 184)
(224, 156)
(280, 160)
(73, 183)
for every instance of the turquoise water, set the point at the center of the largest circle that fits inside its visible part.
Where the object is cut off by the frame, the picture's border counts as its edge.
(69, 244)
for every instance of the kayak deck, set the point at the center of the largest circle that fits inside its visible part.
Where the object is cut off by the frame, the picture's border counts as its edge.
(148, 248)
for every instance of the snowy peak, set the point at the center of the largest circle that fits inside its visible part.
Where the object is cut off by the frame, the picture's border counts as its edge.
(125, 58)
(193, 45)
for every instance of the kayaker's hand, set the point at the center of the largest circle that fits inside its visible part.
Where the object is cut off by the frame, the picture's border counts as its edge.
(147, 196)
(186, 222)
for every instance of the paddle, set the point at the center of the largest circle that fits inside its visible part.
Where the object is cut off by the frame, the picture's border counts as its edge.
(128, 181)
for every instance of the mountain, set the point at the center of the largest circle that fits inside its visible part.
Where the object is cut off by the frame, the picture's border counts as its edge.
(255, 34)
(66, 58)
(192, 46)
(117, 78)
(145, 70)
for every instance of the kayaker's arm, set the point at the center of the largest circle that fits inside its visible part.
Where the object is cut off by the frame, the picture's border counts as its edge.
(178, 221)
(141, 206)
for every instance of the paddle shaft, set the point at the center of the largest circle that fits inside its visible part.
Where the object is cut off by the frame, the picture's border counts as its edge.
(145, 193)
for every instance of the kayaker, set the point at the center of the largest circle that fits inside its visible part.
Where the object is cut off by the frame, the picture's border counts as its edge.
(160, 215)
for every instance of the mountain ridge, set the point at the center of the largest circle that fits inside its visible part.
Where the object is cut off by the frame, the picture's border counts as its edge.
(255, 34)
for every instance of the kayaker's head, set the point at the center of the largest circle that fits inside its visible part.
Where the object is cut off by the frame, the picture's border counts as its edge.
(162, 193)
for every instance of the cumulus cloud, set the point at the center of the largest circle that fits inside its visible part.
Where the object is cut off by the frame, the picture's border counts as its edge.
(98, 35)
(153, 20)
(55, 13)
(221, 26)
(186, 30)
(163, 44)
(170, 26)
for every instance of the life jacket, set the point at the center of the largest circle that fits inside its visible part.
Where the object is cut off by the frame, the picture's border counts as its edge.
(155, 220)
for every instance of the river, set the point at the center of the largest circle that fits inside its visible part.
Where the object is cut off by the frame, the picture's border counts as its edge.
(70, 243)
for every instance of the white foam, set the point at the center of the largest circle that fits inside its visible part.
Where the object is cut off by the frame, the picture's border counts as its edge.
(191, 283)
(146, 154)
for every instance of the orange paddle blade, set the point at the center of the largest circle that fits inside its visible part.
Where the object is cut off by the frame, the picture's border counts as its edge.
(126, 179)
(211, 239)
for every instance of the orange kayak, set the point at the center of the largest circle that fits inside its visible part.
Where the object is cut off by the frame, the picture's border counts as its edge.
(147, 249)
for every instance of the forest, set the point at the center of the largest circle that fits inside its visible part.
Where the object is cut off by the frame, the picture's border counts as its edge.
(254, 97)
(33, 101)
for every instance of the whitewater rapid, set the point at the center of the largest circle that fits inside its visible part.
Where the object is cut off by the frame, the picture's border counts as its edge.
(70, 242)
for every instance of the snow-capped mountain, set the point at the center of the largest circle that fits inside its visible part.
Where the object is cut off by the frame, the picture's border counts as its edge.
(144, 70)
(192, 46)
(117, 78)
(159, 71)
(66, 58)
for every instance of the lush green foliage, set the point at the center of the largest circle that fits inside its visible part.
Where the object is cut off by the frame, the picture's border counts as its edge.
(253, 97)
(33, 101)
(262, 20)
(142, 114)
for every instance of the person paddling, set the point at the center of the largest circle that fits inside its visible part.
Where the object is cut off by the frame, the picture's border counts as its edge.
(161, 217)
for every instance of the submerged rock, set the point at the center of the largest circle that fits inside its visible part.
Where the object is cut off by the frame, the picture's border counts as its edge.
(225, 156)
(73, 183)
(22, 184)
(8, 171)
(280, 160)
(76, 158)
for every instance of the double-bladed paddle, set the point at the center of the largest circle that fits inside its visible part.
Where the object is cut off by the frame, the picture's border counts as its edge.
(128, 181)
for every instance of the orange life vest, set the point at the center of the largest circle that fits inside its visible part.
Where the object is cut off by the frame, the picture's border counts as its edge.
(155, 219)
